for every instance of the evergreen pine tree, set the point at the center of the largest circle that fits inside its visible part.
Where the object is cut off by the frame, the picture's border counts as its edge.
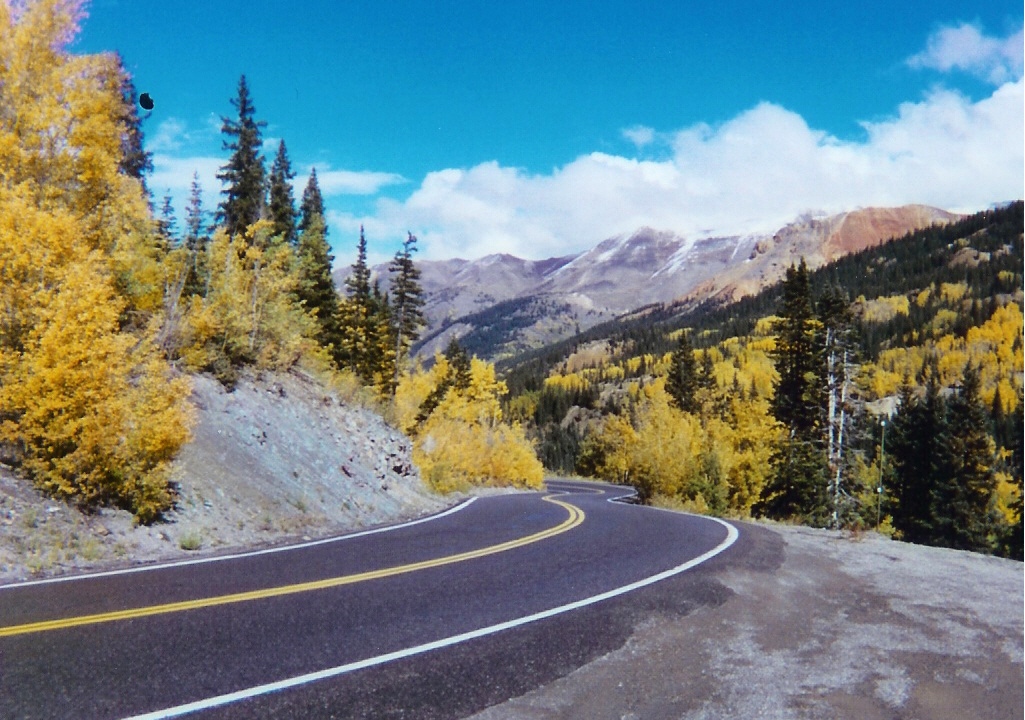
(312, 202)
(459, 364)
(135, 161)
(194, 229)
(964, 499)
(682, 382)
(407, 300)
(996, 413)
(243, 176)
(358, 282)
(1014, 539)
(918, 455)
(706, 378)
(280, 202)
(358, 321)
(167, 225)
(377, 365)
(799, 399)
(798, 487)
(316, 286)
(195, 241)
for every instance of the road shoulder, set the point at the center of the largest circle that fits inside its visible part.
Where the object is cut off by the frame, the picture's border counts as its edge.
(841, 627)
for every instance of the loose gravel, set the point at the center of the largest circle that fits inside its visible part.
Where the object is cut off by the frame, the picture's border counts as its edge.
(836, 627)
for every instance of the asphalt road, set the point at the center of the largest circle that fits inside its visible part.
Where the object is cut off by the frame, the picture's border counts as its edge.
(433, 619)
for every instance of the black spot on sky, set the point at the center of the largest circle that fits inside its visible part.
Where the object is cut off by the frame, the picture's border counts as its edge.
(146, 101)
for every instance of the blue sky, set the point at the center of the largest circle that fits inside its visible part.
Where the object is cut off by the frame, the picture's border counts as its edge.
(542, 128)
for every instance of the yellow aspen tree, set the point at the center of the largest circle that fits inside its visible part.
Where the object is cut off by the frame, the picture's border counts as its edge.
(754, 433)
(464, 441)
(94, 411)
(88, 410)
(251, 314)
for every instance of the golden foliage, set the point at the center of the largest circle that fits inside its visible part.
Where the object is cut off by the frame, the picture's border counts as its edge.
(89, 410)
(453, 454)
(93, 410)
(710, 464)
(995, 348)
(884, 308)
(464, 441)
(250, 314)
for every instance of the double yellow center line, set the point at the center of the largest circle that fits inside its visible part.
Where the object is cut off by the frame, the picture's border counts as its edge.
(576, 517)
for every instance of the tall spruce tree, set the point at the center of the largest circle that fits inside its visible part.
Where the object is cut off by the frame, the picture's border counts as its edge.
(682, 382)
(316, 286)
(280, 202)
(799, 399)
(167, 225)
(312, 202)
(358, 282)
(135, 162)
(379, 365)
(243, 176)
(706, 376)
(358, 319)
(798, 487)
(196, 240)
(917, 454)
(407, 299)
(964, 509)
(1014, 539)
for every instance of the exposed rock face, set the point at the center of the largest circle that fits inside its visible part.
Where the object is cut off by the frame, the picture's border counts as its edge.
(285, 448)
(279, 458)
(819, 240)
(545, 300)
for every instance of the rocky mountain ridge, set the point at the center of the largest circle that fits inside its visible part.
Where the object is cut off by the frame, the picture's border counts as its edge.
(499, 304)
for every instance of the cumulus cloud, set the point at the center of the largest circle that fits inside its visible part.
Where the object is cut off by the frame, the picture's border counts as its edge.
(966, 48)
(756, 171)
(640, 135)
(175, 135)
(168, 136)
(350, 182)
(173, 176)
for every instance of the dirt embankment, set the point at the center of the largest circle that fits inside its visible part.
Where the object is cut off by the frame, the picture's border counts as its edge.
(279, 457)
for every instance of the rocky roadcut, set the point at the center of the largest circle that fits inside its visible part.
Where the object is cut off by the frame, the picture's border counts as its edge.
(277, 458)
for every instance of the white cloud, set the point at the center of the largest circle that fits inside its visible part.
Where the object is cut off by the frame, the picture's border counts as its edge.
(175, 135)
(350, 182)
(754, 172)
(169, 135)
(173, 176)
(639, 135)
(176, 173)
(966, 48)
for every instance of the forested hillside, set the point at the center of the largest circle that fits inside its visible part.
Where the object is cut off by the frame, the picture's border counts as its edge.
(775, 405)
(108, 307)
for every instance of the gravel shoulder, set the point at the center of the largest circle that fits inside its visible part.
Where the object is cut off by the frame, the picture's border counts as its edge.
(818, 624)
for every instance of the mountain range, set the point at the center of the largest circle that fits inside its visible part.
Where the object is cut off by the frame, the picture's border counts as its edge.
(499, 305)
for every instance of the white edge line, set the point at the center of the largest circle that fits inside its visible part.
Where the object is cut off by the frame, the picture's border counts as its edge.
(236, 556)
(219, 700)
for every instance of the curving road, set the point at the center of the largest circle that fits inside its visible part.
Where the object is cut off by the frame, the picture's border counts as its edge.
(430, 619)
